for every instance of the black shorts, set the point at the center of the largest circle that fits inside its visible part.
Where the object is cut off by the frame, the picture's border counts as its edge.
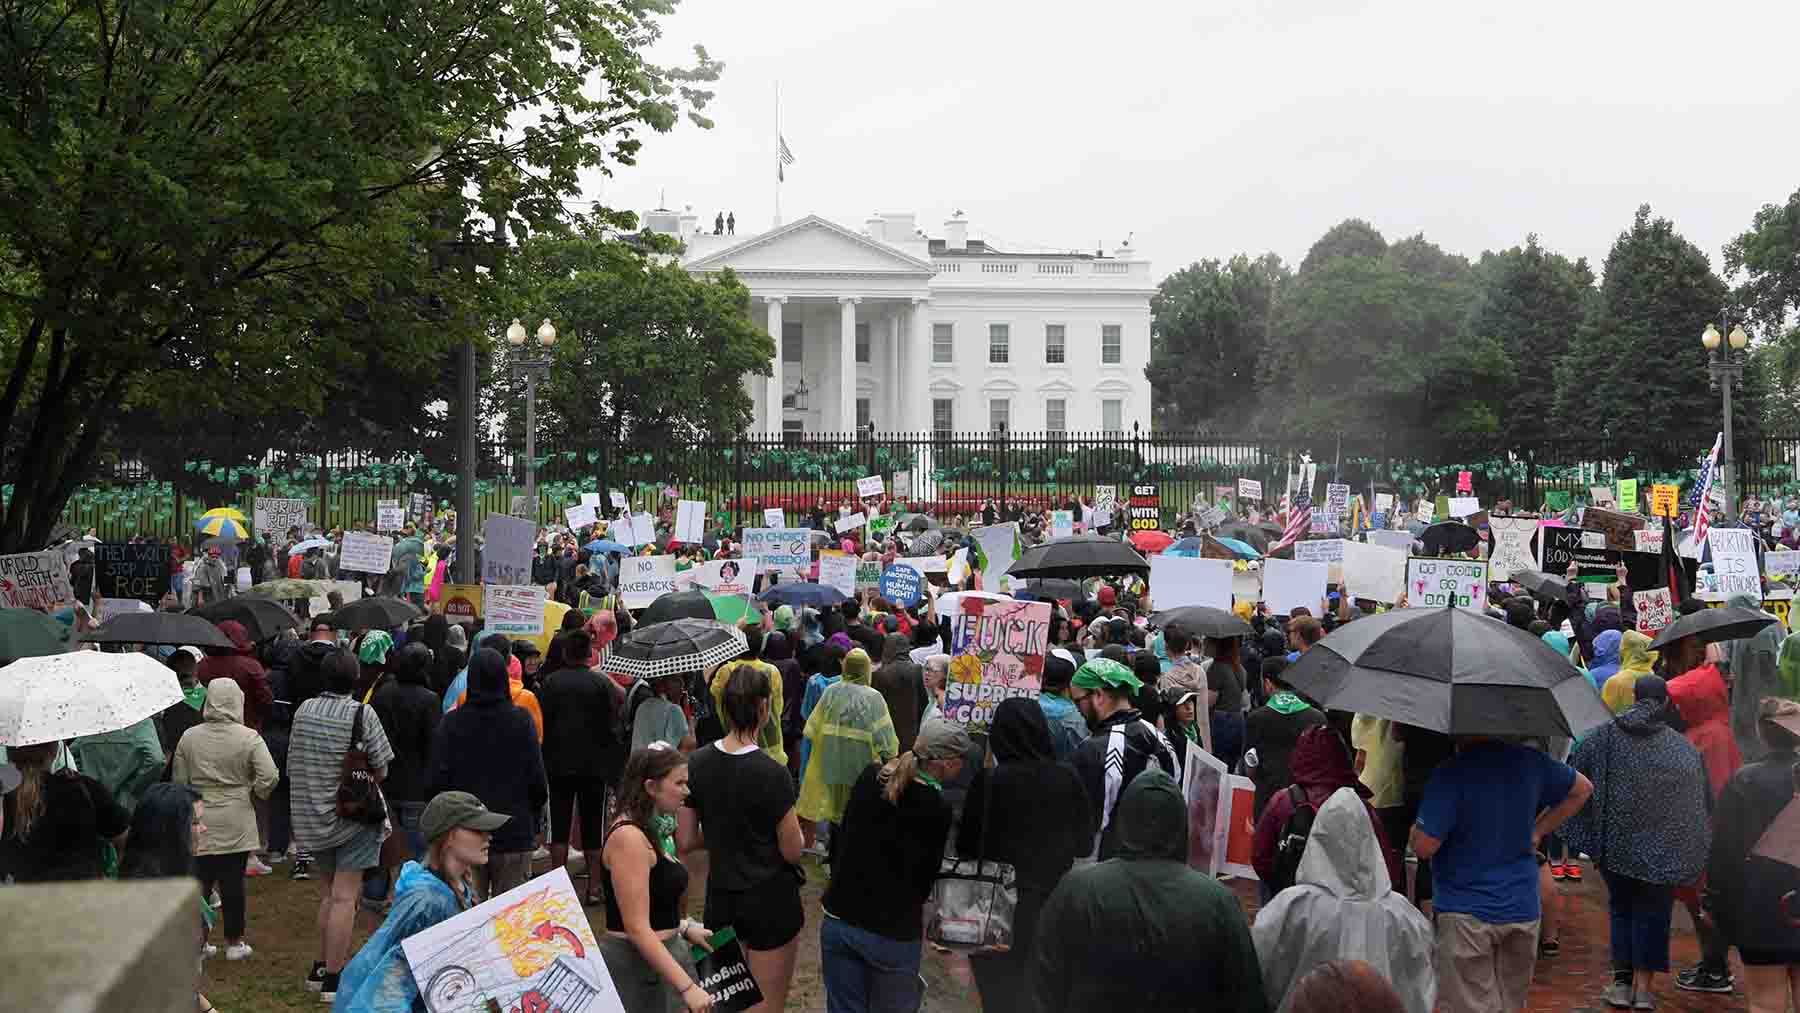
(767, 916)
(564, 793)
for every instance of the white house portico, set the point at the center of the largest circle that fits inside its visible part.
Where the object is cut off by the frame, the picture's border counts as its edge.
(890, 328)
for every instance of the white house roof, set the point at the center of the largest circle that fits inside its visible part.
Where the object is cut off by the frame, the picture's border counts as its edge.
(813, 245)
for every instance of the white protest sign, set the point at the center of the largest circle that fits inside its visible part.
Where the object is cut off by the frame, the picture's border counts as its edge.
(1402, 540)
(35, 580)
(998, 542)
(1600, 495)
(1435, 583)
(1329, 551)
(1463, 506)
(591, 499)
(365, 552)
(1288, 584)
(1426, 511)
(506, 549)
(1593, 539)
(869, 488)
(513, 609)
(1783, 563)
(1734, 561)
(775, 517)
(617, 499)
(690, 521)
(958, 570)
(723, 576)
(1648, 539)
(1213, 517)
(1510, 538)
(1106, 497)
(1176, 581)
(851, 523)
(1249, 489)
(902, 484)
(1062, 524)
(1384, 501)
(1655, 610)
(838, 569)
(1337, 499)
(274, 516)
(389, 518)
(580, 516)
(634, 530)
(787, 551)
(1375, 572)
(643, 579)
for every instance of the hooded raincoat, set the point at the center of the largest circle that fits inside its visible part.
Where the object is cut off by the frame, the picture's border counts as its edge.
(1606, 657)
(1746, 890)
(902, 683)
(1142, 931)
(489, 748)
(378, 979)
(1342, 906)
(1755, 673)
(1649, 816)
(1321, 767)
(1636, 660)
(229, 764)
(239, 664)
(1702, 699)
(848, 730)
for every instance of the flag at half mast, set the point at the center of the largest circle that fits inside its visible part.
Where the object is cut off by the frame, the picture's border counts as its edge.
(787, 159)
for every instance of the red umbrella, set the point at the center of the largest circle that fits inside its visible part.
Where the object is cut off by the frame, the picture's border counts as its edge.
(1151, 541)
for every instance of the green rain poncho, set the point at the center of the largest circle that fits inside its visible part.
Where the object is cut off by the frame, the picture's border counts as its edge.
(849, 729)
(1142, 931)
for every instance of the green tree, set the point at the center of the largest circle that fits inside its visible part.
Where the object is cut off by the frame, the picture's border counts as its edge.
(191, 197)
(1532, 303)
(1209, 323)
(1768, 254)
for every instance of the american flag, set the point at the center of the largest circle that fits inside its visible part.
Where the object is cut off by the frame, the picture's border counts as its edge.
(787, 159)
(1298, 520)
(1703, 489)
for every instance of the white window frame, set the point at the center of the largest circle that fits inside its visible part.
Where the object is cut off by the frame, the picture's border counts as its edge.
(1060, 346)
(948, 404)
(1052, 424)
(949, 345)
(864, 343)
(1004, 333)
(1004, 418)
(865, 411)
(797, 332)
(1118, 347)
(1116, 425)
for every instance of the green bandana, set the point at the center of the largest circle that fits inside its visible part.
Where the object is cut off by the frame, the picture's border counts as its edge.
(1106, 673)
(1287, 703)
(665, 832)
(1192, 732)
(928, 779)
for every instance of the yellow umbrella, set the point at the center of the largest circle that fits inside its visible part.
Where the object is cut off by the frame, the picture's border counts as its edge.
(232, 512)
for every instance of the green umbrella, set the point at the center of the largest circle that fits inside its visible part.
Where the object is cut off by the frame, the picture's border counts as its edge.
(28, 633)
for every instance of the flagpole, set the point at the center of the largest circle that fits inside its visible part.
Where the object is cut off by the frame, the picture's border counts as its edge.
(778, 172)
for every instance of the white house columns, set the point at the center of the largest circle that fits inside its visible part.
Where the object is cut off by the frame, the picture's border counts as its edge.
(847, 363)
(917, 416)
(772, 404)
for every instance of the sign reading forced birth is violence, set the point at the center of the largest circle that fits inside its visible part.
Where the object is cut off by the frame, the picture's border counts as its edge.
(997, 652)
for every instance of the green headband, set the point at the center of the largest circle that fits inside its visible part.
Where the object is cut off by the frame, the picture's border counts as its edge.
(1105, 673)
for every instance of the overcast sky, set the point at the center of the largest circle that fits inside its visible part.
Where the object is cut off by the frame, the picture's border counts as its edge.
(1227, 126)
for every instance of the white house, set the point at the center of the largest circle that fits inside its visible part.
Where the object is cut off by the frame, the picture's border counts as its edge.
(914, 333)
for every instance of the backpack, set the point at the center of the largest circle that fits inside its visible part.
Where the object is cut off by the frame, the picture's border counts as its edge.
(1291, 845)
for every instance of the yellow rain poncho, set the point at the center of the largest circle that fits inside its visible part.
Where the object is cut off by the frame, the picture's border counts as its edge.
(849, 729)
(1635, 661)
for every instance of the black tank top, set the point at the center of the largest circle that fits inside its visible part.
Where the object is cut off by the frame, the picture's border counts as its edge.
(668, 881)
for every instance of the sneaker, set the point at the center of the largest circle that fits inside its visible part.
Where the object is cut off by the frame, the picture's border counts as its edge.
(1572, 872)
(1643, 1000)
(238, 951)
(1549, 948)
(1699, 979)
(276, 858)
(209, 950)
(1618, 995)
(541, 855)
(1556, 871)
(328, 988)
(255, 867)
(302, 870)
(316, 976)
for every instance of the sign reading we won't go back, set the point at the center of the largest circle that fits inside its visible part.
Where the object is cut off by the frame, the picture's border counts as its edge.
(1435, 583)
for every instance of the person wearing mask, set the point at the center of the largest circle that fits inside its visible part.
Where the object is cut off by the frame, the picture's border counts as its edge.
(409, 713)
(889, 847)
(1271, 732)
(1030, 811)
(1481, 818)
(238, 663)
(325, 728)
(582, 751)
(848, 730)
(1144, 931)
(1636, 660)
(1647, 830)
(230, 765)
(1123, 745)
(1343, 906)
(457, 830)
(902, 683)
(1068, 729)
(489, 748)
(741, 812)
(647, 946)
(1321, 765)
(55, 825)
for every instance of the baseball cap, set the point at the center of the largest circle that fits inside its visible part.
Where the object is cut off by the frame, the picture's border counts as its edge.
(1107, 596)
(941, 740)
(198, 654)
(452, 809)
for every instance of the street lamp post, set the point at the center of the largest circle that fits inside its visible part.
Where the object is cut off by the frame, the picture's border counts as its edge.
(1726, 365)
(531, 368)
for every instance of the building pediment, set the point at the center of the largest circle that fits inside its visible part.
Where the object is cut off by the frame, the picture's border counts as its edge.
(813, 245)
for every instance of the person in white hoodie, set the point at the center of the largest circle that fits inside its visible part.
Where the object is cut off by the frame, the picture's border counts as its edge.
(1342, 906)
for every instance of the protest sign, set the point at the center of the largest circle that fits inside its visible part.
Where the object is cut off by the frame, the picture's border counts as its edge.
(723, 576)
(591, 499)
(1337, 499)
(389, 518)
(1323, 524)
(460, 603)
(1465, 481)
(1648, 540)
(110, 607)
(902, 583)
(365, 552)
(881, 525)
(1249, 489)
(1511, 541)
(690, 521)
(1655, 610)
(417, 506)
(721, 970)
(1221, 825)
(870, 487)
(1665, 500)
(787, 551)
(1062, 524)
(902, 484)
(1617, 525)
(1628, 495)
(1384, 501)
(642, 529)
(1106, 497)
(529, 949)
(1190, 580)
(1329, 551)
(1734, 561)
(1288, 584)
(1000, 547)
(1213, 517)
(643, 579)
(619, 530)
(1600, 495)
(1309, 474)
(868, 575)
(1402, 540)
(1374, 572)
(35, 580)
(838, 570)
(274, 517)
(1146, 508)
(774, 517)
(1783, 563)
(617, 499)
(958, 570)
(506, 549)
(998, 650)
(1558, 547)
(580, 516)
(1435, 583)
(514, 609)
(1426, 512)
(851, 523)
(1463, 506)
(138, 571)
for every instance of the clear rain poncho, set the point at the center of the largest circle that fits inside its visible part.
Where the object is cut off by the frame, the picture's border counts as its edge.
(849, 729)
(1343, 907)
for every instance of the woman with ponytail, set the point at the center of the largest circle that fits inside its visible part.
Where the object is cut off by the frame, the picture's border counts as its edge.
(56, 821)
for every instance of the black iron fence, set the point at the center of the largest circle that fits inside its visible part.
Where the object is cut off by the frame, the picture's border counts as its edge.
(945, 472)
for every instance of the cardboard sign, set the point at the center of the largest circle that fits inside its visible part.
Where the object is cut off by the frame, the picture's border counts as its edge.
(514, 609)
(1465, 482)
(617, 499)
(1288, 584)
(1426, 512)
(1177, 581)
(997, 652)
(1249, 489)
(1511, 541)
(1000, 544)
(1213, 517)
(1062, 524)
(389, 518)
(838, 570)
(787, 551)
(1665, 500)
(35, 580)
(902, 484)
(1655, 610)
(460, 603)
(1628, 495)
(1734, 561)
(870, 488)
(123, 570)
(851, 523)
(881, 525)
(1146, 508)
(365, 552)
(643, 579)
(634, 530)
(1617, 525)
(774, 517)
(902, 583)
(1436, 583)
(690, 521)
(1374, 572)
(1221, 817)
(723, 576)
(868, 575)
(274, 517)
(580, 516)
(591, 499)
(506, 549)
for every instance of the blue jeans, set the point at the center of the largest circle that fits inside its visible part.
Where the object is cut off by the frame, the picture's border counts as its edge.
(1640, 922)
(866, 972)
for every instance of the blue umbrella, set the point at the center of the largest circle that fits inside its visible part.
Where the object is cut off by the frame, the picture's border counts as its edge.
(1243, 549)
(1186, 553)
(1190, 543)
(805, 593)
(603, 545)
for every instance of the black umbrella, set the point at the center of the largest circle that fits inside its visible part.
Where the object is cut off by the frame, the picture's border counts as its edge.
(1079, 556)
(1449, 538)
(1543, 586)
(157, 628)
(1055, 587)
(1449, 670)
(692, 604)
(916, 522)
(1731, 622)
(378, 613)
(1251, 534)
(1202, 621)
(262, 617)
(927, 544)
(675, 647)
(804, 593)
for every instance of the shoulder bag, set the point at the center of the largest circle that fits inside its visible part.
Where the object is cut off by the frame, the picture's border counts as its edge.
(974, 900)
(359, 796)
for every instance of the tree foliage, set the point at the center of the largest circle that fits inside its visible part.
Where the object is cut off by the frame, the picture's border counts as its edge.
(1768, 254)
(1532, 302)
(1209, 324)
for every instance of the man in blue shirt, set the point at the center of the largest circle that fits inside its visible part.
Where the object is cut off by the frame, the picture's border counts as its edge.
(1484, 813)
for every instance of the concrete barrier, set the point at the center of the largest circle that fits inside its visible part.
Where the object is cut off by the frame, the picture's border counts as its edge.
(100, 946)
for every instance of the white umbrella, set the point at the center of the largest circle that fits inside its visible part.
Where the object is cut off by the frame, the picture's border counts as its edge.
(84, 693)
